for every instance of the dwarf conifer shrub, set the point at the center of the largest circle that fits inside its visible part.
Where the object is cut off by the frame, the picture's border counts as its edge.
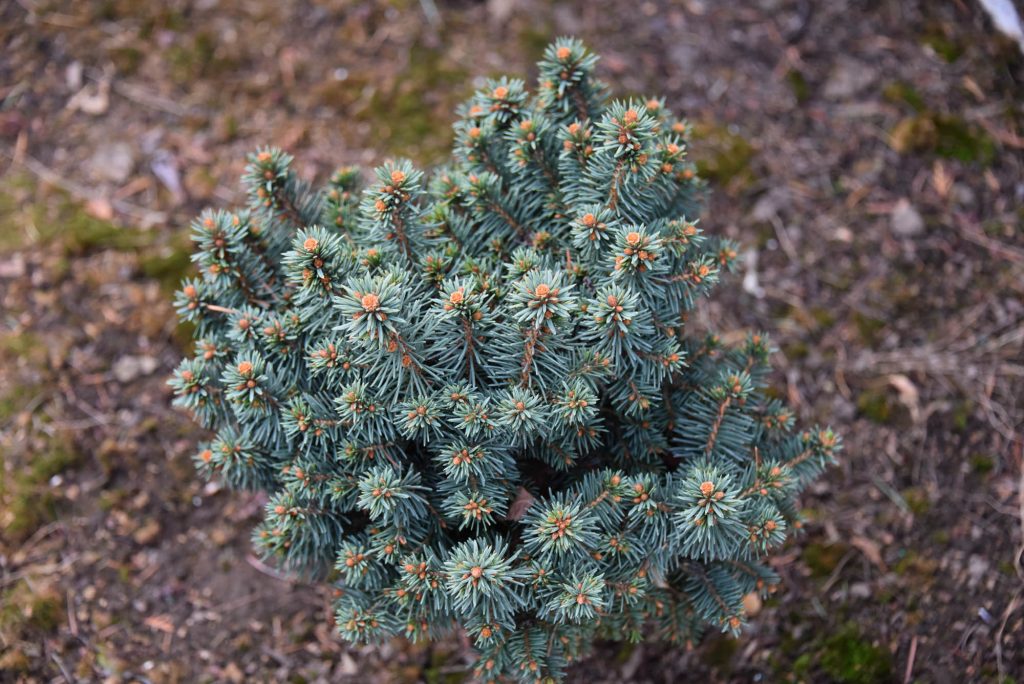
(474, 399)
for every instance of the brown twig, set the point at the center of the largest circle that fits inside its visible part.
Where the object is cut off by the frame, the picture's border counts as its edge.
(909, 672)
(970, 231)
(150, 99)
(582, 111)
(509, 219)
(221, 309)
(717, 425)
(146, 217)
(1010, 610)
(613, 193)
(529, 349)
(262, 567)
(72, 621)
(63, 668)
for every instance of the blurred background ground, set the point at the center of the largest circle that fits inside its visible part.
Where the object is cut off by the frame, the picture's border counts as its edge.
(868, 155)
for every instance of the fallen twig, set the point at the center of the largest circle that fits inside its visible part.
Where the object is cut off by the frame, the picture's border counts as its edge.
(146, 217)
(63, 668)
(1010, 609)
(72, 621)
(149, 99)
(911, 657)
(972, 233)
(267, 570)
(37, 571)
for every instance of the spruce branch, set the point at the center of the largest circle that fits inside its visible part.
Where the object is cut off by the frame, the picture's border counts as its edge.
(476, 397)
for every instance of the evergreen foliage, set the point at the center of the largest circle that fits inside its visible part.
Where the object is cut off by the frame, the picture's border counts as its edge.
(473, 397)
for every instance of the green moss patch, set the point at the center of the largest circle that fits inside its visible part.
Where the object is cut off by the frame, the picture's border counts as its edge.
(719, 652)
(722, 155)
(126, 58)
(945, 136)
(901, 93)
(25, 611)
(961, 415)
(916, 567)
(32, 215)
(815, 320)
(170, 263)
(798, 84)
(26, 499)
(534, 39)
(13, 222)
(940, 39)
(845, 657)
(23, 346)
(874, 406)
(822, 559)
(917, 500)
(878, 404)
(411, 117)
(982, 464)
(869, 329)
(849, 658)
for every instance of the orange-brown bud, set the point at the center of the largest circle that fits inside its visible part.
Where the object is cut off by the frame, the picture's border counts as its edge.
(370, 302)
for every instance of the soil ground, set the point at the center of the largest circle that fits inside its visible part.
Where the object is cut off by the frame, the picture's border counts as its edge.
(869, 155)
